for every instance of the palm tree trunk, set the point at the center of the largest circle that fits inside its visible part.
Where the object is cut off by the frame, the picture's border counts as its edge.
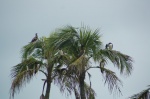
(82, 91)
(47, 90)
(49, 80)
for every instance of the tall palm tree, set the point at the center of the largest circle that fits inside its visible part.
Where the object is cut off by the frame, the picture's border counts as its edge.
(36, 57)
(83, 45)
(145, 94)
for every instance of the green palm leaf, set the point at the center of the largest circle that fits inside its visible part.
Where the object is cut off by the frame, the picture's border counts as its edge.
(29, 49)
(122, 61)
(141, 95)
(23, 73)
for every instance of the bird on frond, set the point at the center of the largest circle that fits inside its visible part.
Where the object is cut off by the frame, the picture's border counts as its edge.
(35, 38)
(109, 46)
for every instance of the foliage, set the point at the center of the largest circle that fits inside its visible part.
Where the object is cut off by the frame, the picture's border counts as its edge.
(65, 59)
(82, 45)
(141, 95)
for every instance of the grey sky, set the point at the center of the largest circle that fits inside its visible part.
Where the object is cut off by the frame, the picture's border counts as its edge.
(125, 23)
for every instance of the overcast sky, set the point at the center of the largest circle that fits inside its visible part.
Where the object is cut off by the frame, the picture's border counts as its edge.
(125, 23)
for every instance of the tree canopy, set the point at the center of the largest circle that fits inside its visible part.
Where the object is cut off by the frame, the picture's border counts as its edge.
(65, 59)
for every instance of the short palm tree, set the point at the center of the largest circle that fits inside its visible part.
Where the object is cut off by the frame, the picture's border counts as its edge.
(83, 45)
(36, 57)
(145, 94)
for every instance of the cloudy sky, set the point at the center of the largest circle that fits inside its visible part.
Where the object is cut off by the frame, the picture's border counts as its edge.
(125, 23)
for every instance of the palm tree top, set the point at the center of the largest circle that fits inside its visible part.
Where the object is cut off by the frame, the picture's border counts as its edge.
(72, 48)
(83, 44)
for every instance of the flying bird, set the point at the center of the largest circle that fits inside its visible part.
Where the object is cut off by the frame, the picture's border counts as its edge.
(109, 46)
(35, 38)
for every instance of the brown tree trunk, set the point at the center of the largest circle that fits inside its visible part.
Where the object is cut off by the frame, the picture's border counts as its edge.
(49, 80)
(47, 91)
(82, 91)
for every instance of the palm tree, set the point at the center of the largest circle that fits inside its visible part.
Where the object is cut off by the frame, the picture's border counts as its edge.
(36, 57)
(142, 95)
(83, 45)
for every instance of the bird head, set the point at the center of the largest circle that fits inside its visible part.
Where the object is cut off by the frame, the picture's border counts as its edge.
(109, 43)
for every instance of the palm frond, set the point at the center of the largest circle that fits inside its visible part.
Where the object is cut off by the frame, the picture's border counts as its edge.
(141, 95)
(20, 80)
(62, 37)
(89, 39)
(76, 93)
(66, 82)
(122, 61)
(30, 63)
(112, 80)
(69, 83)
(23, 73)
(90, 93)
(28, 49)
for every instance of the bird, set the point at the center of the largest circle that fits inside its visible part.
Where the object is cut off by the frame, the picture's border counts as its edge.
(109, 46)
(106, 47)
(35, 38)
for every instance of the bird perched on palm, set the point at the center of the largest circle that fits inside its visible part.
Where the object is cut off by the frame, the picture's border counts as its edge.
(35, 38)
(109, 46)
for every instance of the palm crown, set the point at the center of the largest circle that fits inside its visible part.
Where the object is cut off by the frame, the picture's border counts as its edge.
(68, 52)
(82, 45)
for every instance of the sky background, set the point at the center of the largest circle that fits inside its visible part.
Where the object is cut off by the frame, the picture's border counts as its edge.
(125, 23)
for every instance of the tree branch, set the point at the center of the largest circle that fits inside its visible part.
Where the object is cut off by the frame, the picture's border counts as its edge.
(92, 67)
(43, 72)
